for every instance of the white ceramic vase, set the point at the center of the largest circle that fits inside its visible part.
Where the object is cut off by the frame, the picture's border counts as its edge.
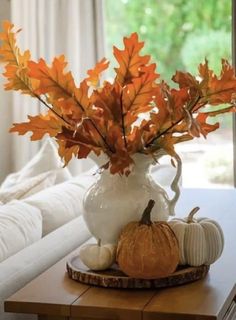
(115, 200)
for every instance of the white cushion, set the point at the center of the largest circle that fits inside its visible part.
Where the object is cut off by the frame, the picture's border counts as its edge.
(18, 270)
(20, 226)
(28, 187)
(46, 159)
(61, 203)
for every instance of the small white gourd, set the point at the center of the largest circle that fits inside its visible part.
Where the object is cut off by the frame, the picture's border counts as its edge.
(98, 257)
(201, 241)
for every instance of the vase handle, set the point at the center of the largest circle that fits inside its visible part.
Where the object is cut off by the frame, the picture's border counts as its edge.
(175, 186)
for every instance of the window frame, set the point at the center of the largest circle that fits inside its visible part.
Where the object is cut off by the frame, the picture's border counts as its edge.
(234, 64)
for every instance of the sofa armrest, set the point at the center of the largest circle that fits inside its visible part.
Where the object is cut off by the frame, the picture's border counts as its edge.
(19, 269)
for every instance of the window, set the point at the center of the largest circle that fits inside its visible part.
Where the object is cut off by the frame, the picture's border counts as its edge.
(179, 34)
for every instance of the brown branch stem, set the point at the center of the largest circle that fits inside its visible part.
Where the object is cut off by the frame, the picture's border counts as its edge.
(122, 119)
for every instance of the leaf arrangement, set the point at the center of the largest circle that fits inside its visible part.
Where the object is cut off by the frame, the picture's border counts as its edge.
(137, 112)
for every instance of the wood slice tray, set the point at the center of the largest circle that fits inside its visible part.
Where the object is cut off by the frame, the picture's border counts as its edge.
(115, 278)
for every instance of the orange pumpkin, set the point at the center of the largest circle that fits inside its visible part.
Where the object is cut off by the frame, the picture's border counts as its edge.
(146, 249)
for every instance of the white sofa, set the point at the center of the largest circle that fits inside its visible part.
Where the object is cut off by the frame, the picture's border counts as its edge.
(23, 266)
(43, 225)
(19, 269)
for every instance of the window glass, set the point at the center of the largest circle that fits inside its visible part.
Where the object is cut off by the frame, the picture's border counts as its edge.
(179, 34)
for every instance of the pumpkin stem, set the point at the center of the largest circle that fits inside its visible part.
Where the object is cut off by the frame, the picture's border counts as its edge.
(146, 216)
(191, 214)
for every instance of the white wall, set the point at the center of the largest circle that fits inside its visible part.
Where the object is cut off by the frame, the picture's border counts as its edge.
(5, 97)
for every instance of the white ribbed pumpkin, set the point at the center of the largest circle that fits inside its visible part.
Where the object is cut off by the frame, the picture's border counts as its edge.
(201, 241)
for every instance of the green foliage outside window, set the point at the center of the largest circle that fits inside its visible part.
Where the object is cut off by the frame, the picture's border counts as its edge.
(178, 34)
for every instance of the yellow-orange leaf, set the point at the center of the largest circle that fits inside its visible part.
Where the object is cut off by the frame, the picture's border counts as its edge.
(135, 140)
(120, 163)
(167, 143)
(94, 74)
(204, 126)
(39, 125)
(221, 89)
(53, 79)
(66, 152)
(185, 79)
(19, 80)
(107, 100)
(80, 138)
(129, 59)
(115, 137)
(177, 103)
(81, 95)
(8, 50)
(138, 94)
(17, 64)
(60, 87)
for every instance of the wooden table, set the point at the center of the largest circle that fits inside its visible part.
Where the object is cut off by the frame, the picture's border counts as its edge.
(53, 295)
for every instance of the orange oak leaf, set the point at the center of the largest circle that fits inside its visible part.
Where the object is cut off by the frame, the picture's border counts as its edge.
(135, 140)
(209, 88)
(52, 79)
(92, 135)
(149, 131)
(60, 86)
(39, 125)
(8, 51)
(170, 108)
(205, 75)
(204, 126)
(115, 137)
(94, 74)
(65, 107)
(167, 144)
(121, 163)
(81, 96)
(138, 94)
(107, 100)
(160, 115)
(220, 89)
(76, 105)
(182, 138)
(129, 59)
(187, 80)
(129, 120)
(18, 80)
(77, 143)
(177, 102)
(65, 151)
(16, 62)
